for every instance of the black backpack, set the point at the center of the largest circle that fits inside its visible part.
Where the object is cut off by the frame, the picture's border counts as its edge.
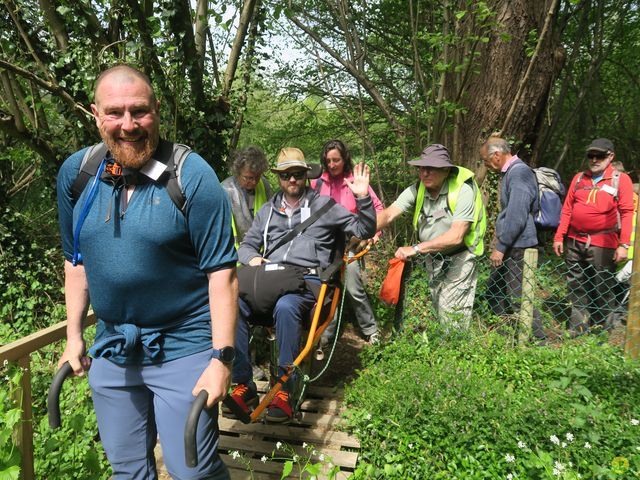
(171, 154)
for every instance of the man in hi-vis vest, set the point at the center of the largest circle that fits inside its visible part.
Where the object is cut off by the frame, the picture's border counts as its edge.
(450, 220)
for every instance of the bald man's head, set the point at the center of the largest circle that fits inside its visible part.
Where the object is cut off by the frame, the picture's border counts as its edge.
(123, 74)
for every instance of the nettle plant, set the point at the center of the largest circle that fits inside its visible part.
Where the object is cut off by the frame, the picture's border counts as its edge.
(436, 404)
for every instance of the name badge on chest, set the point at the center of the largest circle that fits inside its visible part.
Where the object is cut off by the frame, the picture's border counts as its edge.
(610, 190)
(305, 212)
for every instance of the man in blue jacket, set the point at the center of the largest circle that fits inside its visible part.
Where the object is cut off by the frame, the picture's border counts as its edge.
(515, 228)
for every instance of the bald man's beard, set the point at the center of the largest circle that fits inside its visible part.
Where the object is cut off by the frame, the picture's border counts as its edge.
(131, 155)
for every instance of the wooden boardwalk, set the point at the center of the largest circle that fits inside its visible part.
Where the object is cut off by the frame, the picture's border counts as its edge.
(318, 426)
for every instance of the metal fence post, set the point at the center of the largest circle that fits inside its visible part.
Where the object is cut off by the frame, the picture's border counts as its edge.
(632, 340)
(528, 294)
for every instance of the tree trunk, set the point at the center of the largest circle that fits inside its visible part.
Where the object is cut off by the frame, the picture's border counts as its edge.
(498, 90)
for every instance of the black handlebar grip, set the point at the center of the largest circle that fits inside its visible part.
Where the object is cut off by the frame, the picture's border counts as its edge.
(53, 400)
(191, 429)
(191, 426)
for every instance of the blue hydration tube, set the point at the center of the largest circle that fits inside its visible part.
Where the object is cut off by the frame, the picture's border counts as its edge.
(86, 206)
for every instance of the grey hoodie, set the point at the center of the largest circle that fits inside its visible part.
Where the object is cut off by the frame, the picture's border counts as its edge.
(316, 245)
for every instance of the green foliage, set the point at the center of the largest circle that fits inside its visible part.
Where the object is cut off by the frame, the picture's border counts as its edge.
(439, 405)
(30, 283)
(10, 418)
(74, 450)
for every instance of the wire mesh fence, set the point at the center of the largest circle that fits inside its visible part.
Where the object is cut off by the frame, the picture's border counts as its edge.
(553, 299)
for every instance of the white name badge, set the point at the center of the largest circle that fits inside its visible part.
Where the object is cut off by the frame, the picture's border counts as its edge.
(153, 169)
(305, 212)
(609, 189)
(270, 267)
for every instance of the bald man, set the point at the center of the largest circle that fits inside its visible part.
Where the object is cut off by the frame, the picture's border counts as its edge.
(150, 270)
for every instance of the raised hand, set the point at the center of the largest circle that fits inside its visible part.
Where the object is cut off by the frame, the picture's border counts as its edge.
(360, 184)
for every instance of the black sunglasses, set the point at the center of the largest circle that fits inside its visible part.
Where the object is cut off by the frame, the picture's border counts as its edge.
(597, 156)
(298, 175)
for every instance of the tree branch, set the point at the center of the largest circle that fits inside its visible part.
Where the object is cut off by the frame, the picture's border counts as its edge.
(248, 10)
(53, 87)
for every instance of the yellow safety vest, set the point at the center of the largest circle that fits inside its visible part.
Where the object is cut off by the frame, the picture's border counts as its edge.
(473, 240)
(259, 200)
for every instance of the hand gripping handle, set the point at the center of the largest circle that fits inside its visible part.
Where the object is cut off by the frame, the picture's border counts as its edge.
(191, 427)
(53, 399)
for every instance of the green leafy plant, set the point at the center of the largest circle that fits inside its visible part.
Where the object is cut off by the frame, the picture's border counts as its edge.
(437, 404)
(10, 418)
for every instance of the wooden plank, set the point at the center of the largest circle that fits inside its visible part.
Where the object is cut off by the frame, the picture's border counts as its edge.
(29, 344)
(289, 433)
(260, 447)
(269, 469)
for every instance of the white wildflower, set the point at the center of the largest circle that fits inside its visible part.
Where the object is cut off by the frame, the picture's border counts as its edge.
(314, 452)
(295, 458)
(509, 458)
(564, 445)
(264, 459)
(321, 457)
(5, 363)
(559, 467)
(410, 445)
(522, 445)
(510, 476)
(569, 437)
(554, 439)
(587, 445)
(235, 454)
(368, 417)
(278, 445)
(635, 421)
(304, 444)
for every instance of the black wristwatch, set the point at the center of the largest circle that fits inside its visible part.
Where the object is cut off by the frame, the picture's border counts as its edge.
(225, 354)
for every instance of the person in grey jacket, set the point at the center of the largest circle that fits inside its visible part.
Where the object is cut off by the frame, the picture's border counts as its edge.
(247, 189)
(515, 228)
(315, 248)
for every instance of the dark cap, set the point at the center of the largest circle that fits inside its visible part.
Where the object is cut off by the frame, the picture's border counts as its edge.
(601, 145)
(435, 156)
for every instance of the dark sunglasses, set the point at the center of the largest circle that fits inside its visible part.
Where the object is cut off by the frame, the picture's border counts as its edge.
(298, 175)
(597, 156)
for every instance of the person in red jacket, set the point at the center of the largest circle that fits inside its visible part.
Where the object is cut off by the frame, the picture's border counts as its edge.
(594, 234)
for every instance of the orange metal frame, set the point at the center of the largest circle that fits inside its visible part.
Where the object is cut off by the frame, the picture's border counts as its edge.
(315, 331)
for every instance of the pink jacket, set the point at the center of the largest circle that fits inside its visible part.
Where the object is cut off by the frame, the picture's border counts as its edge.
(340, 192)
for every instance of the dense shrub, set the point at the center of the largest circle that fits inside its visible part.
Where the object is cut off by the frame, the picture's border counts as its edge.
(438, 405)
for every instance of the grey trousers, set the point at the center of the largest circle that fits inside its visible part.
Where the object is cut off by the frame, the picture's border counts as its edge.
(452, 281)
(357, 297)
(590, 278)
(504, 289)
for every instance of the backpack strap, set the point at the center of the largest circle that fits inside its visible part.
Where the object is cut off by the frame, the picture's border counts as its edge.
(88, 168)
(301, 227)
(318, 186)
(173, 156)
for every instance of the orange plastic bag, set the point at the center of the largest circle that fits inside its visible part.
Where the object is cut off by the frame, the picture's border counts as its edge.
(390, 290)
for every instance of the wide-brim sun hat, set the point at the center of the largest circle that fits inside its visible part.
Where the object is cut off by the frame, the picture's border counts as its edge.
(291, 158)
(434, 156)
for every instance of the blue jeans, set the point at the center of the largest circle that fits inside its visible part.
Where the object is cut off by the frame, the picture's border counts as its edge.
(290, 311)
(134, 404)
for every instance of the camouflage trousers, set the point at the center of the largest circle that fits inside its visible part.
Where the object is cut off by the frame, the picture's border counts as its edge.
(452, 282)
